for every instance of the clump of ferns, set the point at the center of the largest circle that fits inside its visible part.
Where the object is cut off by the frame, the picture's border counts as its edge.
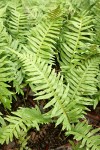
(30, 52)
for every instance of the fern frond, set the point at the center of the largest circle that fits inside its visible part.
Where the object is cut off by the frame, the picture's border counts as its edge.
(75, 35)
(3, 35)
(47, 86)
(44, 37)
(31, 36)
(18, 73)
(16, 23)
(96, 11)
(18, 78)
(76, 146)
(83, 83)
(83, 78)
(21, 121)
(5, 76)
(90, 138)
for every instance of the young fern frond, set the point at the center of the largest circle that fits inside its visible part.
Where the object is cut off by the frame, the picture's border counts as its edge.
(21, 121)
(83, 131)
(75, 35)
(44, 37)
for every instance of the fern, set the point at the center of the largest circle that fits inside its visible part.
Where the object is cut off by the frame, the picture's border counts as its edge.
(96, 11)
(3, 35)
(90, 138)
(35, 37)
(83, 82)
(21, 121)
(43, 39)
(65, 104)
(18, 82)
(5, 74)
(45, 79)
(16, 23)
(75, 35)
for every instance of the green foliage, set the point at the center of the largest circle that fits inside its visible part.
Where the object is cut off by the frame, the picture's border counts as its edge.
(83, 82)
(96, 11)
(23, 140)
(75, 36)
(21, 121)
(50, 86)
(16, 23)
(43, 39)
(5, 74)
(35, 37)
(90, 138)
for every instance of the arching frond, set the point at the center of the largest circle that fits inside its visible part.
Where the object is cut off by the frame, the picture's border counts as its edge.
(50, 86)
(67, 105)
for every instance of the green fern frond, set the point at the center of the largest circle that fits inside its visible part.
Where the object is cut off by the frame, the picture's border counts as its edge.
(75, 35)
(3, 35)
(16, 23)
(5, 76)
(83, 78)
(19, 77)
(47, 86)
(90, 138)
(14, 5)
(83, 83)
(43, 39)
(96, 11)
(18, 73)
(21, 121)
